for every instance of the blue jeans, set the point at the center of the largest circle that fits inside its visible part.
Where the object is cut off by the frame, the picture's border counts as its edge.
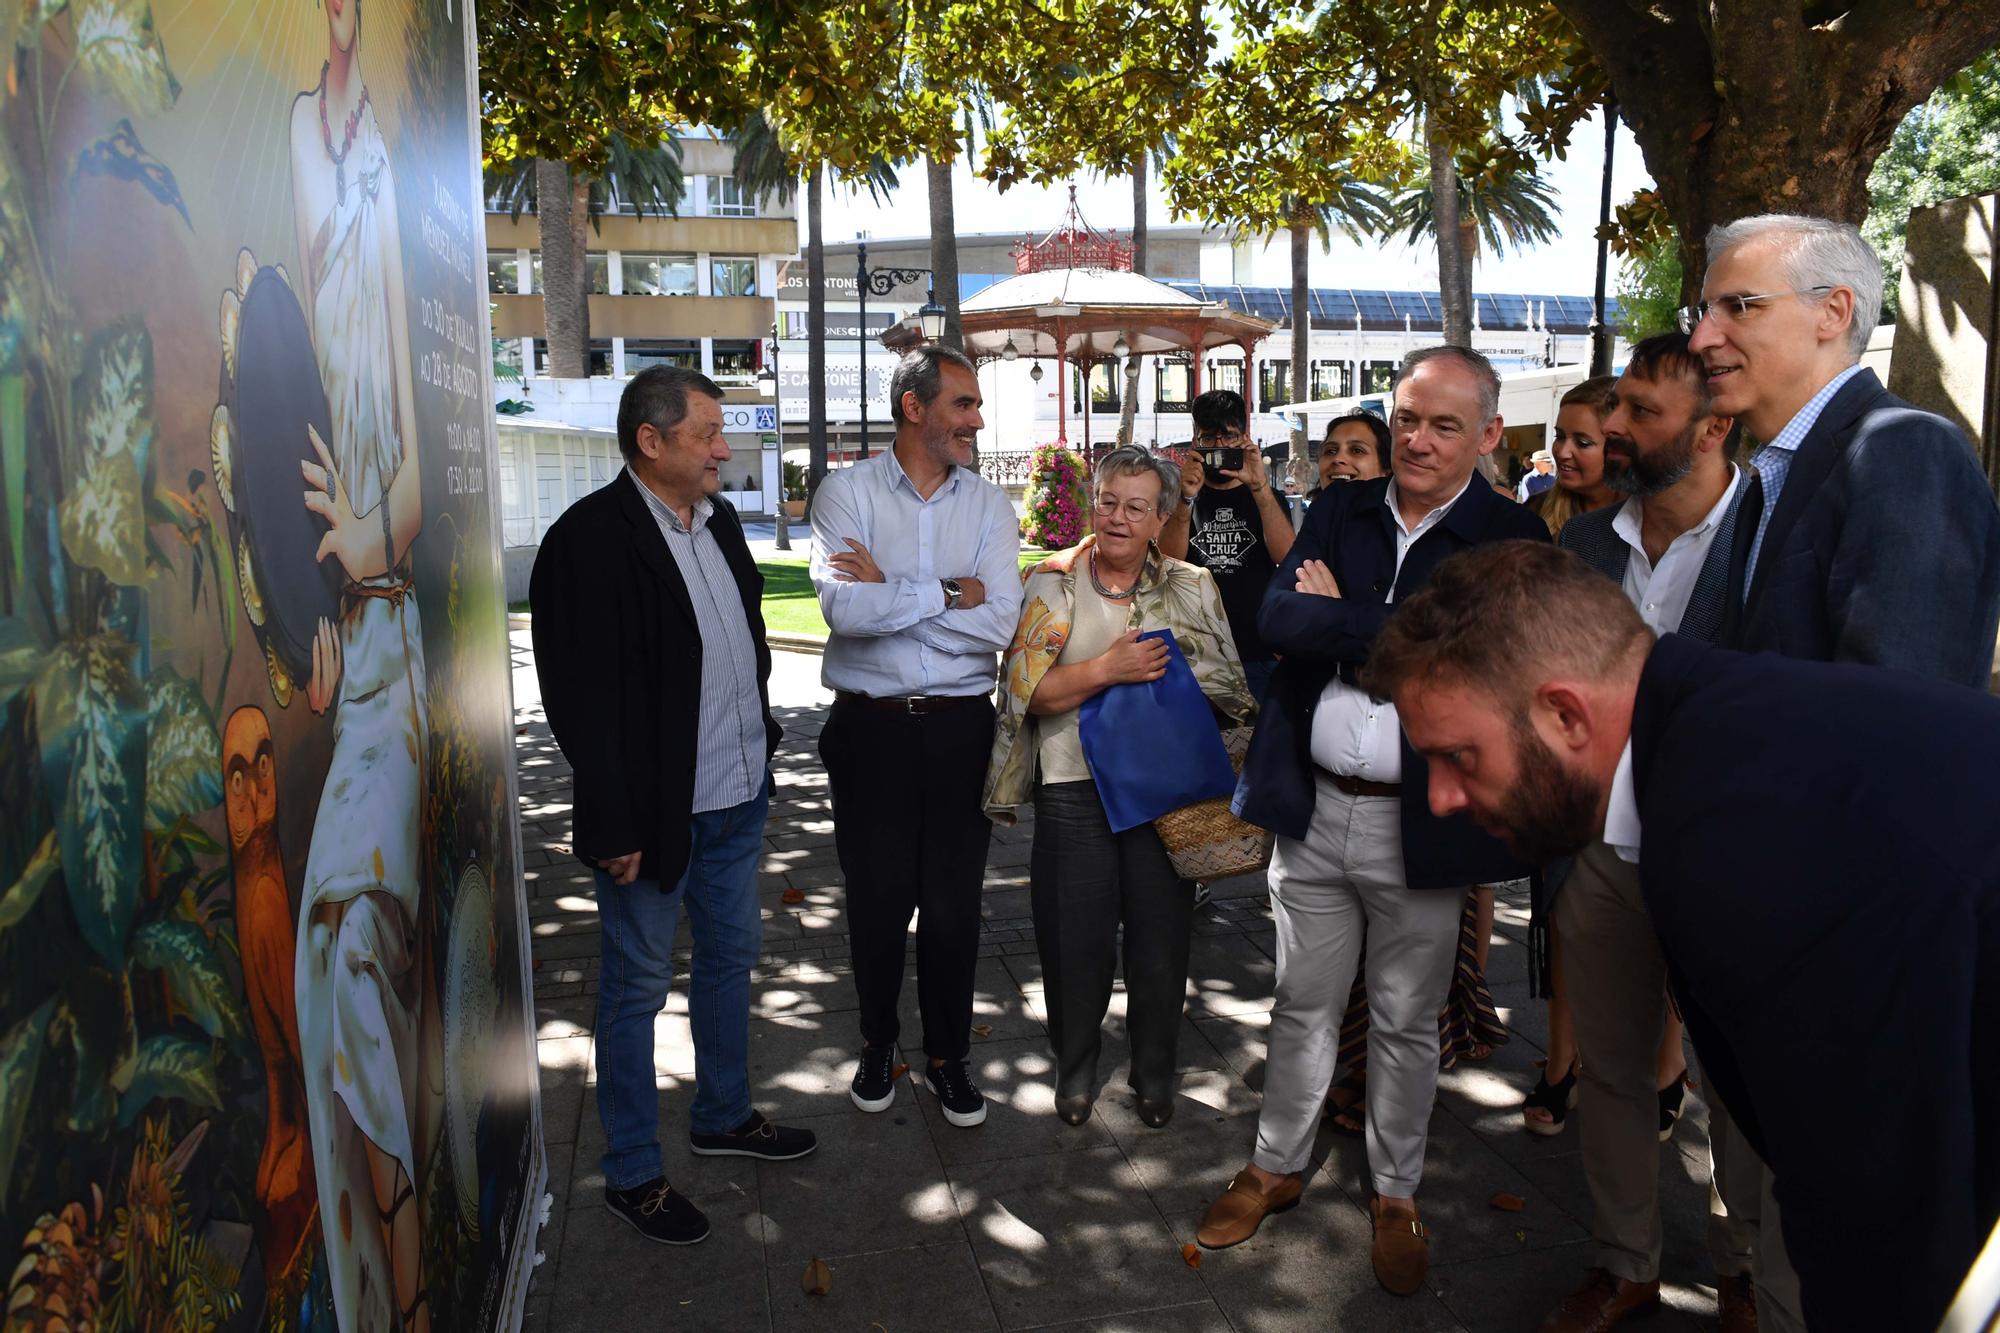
(638, 923)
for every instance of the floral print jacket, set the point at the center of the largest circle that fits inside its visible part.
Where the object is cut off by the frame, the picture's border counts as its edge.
(1175, 595)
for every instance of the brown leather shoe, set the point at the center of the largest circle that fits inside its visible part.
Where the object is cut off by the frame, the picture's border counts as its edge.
(1402, 1250)
(1736, 1304)
(1601, 1303)
(1235, 1217)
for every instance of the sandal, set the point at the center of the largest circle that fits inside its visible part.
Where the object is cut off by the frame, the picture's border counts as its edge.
(1346, 1106)
(1557, 1099)
(1673, 1100)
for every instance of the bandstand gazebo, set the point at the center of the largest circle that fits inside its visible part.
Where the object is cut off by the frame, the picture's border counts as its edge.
(1075, 298)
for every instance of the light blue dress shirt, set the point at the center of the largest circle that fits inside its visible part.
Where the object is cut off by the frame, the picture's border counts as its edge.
(895, 638)
(1774, 461)
(729, 746)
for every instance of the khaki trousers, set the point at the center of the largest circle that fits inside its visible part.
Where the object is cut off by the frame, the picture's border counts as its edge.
(1615, 978)
(1342, 883)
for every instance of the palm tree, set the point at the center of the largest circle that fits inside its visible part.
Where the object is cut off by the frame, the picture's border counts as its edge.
(1354, 210)
(1501, 205)
(645, 177)
(764, 166)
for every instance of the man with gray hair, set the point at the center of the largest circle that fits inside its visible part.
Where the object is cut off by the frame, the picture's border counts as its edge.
(1358, 850)
(915, 559)
(1869, 533)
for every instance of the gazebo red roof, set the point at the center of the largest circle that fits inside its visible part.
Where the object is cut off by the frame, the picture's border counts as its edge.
(1073, 244)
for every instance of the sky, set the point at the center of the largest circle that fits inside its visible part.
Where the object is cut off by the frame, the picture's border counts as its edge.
(1566, 266)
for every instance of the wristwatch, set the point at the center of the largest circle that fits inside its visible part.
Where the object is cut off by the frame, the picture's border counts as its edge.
(952, 593)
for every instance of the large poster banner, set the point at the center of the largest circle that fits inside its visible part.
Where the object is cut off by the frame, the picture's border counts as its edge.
(266, 1058)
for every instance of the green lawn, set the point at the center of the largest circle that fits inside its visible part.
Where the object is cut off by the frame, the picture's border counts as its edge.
(791, 606)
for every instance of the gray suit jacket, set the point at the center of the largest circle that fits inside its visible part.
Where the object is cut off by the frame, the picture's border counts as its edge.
(1592, 537)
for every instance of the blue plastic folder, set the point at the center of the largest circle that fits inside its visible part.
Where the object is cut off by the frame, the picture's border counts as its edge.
(1154, 747)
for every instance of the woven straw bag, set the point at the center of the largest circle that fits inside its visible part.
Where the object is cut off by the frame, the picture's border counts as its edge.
(1205, 841)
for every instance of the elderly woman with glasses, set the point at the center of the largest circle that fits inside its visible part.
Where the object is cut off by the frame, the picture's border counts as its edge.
(1082, 613)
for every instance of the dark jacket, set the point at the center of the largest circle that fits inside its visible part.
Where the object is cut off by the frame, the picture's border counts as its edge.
(1349, 528)
(1592, 537)
(618, 651)
(1822, 865)
(1884, 548)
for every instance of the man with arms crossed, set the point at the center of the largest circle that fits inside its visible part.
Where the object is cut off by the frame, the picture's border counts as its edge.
(916, 561)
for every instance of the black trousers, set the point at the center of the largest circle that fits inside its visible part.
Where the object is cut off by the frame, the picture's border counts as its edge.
(912, 840)
(1084, 882)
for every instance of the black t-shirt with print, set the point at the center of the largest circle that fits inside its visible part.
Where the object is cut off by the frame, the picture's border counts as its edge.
(1226, 537)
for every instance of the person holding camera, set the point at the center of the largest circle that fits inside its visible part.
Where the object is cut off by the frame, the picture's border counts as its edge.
(1235, 524)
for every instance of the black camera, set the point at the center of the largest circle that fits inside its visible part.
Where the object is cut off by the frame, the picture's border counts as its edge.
(1223, 460)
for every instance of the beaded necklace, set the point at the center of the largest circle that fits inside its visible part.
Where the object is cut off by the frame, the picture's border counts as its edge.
(338, 156)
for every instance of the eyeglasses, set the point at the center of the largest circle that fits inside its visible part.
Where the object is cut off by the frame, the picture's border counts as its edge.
(1219, 437)
(1136, 510)
(1737, 307)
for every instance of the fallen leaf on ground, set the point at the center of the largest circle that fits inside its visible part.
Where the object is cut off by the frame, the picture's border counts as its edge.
(794, 896)
(983, 1030)
(1508, 1203)
(1191, 1256)
(899, 1072)
(817, 1280)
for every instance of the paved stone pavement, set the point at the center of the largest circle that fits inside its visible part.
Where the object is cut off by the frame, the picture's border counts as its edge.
(1025, 1222)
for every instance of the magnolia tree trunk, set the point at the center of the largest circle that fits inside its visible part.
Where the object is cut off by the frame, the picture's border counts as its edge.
(816, 335)
(1454, 284)
(1302, 237)
(944, 249)
(1750, 107)
(565, 314)
(1131, 408)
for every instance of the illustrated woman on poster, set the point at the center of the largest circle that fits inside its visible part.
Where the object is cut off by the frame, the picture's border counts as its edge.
(360, 990)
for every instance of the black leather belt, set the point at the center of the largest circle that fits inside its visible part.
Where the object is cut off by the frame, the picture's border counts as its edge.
(914, 705)
(1361, 786)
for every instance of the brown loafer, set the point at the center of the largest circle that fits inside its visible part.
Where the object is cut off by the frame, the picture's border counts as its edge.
(1402, 1250)
(1601, 1303)
(1736, 1304)
(1235, 1217)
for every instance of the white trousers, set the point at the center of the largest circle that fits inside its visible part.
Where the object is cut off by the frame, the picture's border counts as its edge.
(1341, 884)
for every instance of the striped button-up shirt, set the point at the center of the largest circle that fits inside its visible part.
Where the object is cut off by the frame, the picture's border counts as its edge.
(729, 748)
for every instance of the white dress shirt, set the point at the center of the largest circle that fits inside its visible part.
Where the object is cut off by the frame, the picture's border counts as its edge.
(1621, 817)
(1662, 591)
(1352, 734)
(896, 638)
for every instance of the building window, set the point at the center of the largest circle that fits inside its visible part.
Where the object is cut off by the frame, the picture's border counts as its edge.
(644, 353)
(1225, 375)
(1378, 376)
(727, 198)
(503, 273)
(1274, 380)
(735, 361)
(599, 353)
(596, 273)
(1332, 379)
(1173, 385)
(1104, 378)
(731, 275)
(507, 354)
(658, 275)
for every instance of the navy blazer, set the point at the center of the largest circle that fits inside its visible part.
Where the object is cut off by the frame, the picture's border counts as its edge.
(1350, 528)
(1593, 537)
(1822, 866)
(1884, 548)
(618, 651)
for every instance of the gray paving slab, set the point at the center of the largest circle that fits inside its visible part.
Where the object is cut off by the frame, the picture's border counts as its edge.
(1024, 1222)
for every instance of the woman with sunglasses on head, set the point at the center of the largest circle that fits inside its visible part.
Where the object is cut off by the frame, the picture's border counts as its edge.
(1579, 455)
(1082, 613)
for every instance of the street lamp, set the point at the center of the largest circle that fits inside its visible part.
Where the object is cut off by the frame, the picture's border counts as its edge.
(1035, 372)
(1010, 352)
(931, 317)
(882, 281)
(767, 385)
